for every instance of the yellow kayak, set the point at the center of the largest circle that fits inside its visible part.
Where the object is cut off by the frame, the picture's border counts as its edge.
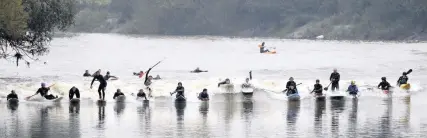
(405, 86)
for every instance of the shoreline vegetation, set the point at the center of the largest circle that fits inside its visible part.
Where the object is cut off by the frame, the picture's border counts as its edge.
(366, 20)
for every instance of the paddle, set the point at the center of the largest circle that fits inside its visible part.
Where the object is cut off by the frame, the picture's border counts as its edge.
(287, 88)
(326, 88)
(409, 71)
(250, 75)
(36, 93)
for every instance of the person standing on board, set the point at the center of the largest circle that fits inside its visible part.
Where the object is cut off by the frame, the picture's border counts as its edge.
(335, 78)
(102, 84)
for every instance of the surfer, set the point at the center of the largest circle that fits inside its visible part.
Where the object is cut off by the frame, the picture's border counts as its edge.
(118, 93)
(384, 85)
(141, 94)
(102, 84)
(74, 91)
(352, 89)
(87, 74)
(262, 48)
(108, 76)
(403, 79)
(290, 83)
(247, 84)
(140, 74)
(179, 91)
(197, 70)
(335, 78)
(291, 90)
(318, 88)
(204, 96)
(12, 95)
(227, 81)
(157, 77)
(43, 92)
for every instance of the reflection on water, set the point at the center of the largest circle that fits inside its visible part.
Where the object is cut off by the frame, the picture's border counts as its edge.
(228, 115)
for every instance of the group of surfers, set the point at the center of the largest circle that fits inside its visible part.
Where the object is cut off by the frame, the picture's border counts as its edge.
(291, 86)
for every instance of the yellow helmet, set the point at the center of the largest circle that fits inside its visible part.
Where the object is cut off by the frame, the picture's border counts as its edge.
(353, 82)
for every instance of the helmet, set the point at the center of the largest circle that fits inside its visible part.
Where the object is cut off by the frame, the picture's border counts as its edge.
(353, 82)
(43, 84)
(404, 73)
(383, 78)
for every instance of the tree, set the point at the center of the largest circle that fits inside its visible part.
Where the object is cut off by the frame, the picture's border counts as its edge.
(26, 26)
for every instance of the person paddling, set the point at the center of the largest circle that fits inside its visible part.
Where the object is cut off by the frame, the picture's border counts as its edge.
(318, 88)
(179, 91)
(118, 93)
(352, 89)
(12, 95)
(404, 78)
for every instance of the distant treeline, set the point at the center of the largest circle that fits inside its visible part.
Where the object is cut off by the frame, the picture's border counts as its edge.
(335, 19)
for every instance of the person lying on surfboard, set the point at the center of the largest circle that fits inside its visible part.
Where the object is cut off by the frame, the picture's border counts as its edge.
(108, 76)
(12, 95)
(352, 89)
(227, 81)
(247, 84)
(384, 85)
(204, 96)
(179, 91)
(157, 77)
(73, 91)
(87, 74)
(318, 88)
(118, 93)
(140, 74)
(141, 94)
(197, 70)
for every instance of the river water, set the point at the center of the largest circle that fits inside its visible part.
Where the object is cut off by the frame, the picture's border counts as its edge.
(266, 114)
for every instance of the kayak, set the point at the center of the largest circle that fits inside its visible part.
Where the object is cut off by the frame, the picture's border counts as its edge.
(13, 101)
(293, 97)
(120, 98)
(180, 99)
(247, 91)
(405, 86)
(75, 101)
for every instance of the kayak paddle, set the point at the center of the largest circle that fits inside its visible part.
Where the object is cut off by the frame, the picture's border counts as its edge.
(326, 88)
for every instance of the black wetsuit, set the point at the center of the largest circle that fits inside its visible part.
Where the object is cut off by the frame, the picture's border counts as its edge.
(147, 81)
(384, 85)
(291, 91)
(262, 49)
(141, 95)
(223, 82)
(402, 80)
(291, 83)
(318, 89)
(179, 91)
(71, 93)
(10, 96)
(43, 92)
(335, 78)
(87, 75)
(203, 95)
(102, 85)
(117, 94)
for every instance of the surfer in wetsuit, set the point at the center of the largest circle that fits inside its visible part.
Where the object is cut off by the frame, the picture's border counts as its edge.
(262, 48)
(12, 95)
(290, 83)
(43, 92)
(118, 93)
(318, 88)
(204, 95)
(335, 78)
(74, 91)
(141, 94)
(403, 79)
(291, 90)
(87, 74)
(157, 78)
(140, 74)
(227, 81)
(197, 70)
(179, 91)
(384, 85)
(102, 84)
(352, 89)
(246, 84)
(108, 76)
(148, 81)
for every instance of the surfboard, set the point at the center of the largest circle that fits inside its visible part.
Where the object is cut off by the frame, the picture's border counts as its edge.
(120, 98)
(293, 97)
(405, 86)
(75, 101)
(13, 101)
(247, 91)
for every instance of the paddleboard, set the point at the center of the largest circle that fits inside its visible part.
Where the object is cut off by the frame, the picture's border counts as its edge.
(247, 90)
(180, 99)
(75, 101)
(13, 101)
(293, 97)
(120, 98)
(405, 86)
